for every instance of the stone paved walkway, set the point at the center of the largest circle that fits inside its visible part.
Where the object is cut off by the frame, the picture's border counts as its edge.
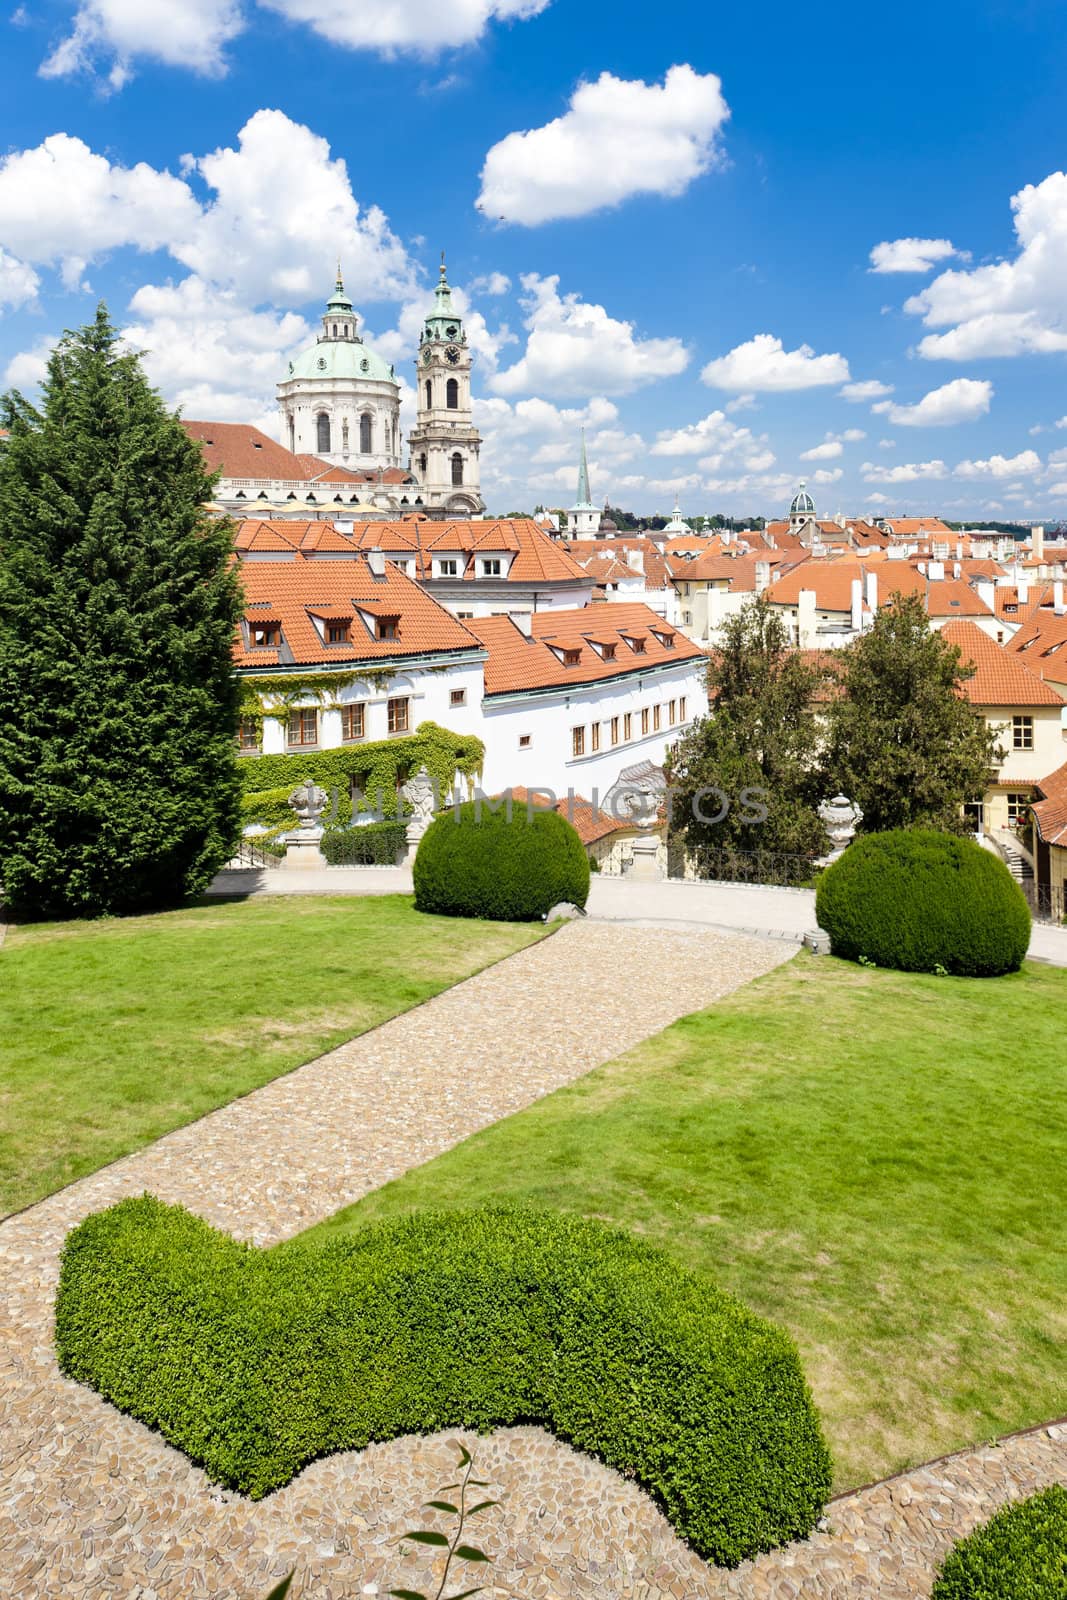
(93, 1504)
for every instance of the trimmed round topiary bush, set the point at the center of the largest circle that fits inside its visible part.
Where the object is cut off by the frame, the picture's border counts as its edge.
(921, 901)
(1020, 1554)
(257, 1362)
(477, 862)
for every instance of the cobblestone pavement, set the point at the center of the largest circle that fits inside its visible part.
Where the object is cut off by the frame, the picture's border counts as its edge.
(94, 1504)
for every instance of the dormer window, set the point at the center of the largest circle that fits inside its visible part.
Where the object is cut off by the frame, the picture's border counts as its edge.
(388, 628)
(337, 632)
(449, 569)
(636, 645)
(572, 658)
(491, 568)
(264, 635)
(665, 639)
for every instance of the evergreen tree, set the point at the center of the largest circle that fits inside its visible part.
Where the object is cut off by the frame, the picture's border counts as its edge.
(762, 733)
(118, 598)
(902, 740)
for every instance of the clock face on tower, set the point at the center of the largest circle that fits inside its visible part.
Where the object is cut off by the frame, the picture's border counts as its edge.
(452, 355)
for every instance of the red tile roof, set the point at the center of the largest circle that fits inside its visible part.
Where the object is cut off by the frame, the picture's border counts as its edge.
(293, 592)
(1001, 678)
(914, 527)
(238, 451)
(588, 821)
(1050, 812)
(517, 662)
(1042, 643)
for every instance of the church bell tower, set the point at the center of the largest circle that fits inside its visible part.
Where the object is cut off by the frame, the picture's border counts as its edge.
(444, 444)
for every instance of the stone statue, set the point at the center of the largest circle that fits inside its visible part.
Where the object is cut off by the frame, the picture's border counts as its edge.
(309, 802)
(421, 796)
(840, 818)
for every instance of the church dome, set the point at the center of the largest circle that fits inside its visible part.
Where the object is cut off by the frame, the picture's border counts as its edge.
(803, 505)
(341, 358)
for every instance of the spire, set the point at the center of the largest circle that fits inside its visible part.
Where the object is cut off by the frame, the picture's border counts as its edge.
(340, 284)
(583, 477)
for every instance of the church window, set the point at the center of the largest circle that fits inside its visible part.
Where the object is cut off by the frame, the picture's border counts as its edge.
(365, 433)
(422, 462)
(335, 330)
(457, 470)
(292, 433)
(322, 426)
(452, 394)
(344, 434)
(429, 395)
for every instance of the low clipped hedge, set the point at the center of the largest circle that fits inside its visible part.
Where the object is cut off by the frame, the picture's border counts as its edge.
(256, 1362)
(477, 862)
(378, 844)
(918, 901)
(1020, 1554)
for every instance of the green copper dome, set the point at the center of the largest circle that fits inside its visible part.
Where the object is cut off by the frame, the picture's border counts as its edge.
(339, 351)
(341, 358)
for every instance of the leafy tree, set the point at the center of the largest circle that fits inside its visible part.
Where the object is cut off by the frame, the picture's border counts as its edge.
(762, 734)
(902, 740)
(118, 598)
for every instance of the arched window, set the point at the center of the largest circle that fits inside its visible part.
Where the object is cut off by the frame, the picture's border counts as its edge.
(429, 395)
(423, 463)
(452, 394)
(457, 470)
(365, 434)
(292, 433)
(335, 330)
(323, 427)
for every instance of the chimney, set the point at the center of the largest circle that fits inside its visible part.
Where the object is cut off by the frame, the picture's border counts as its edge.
(523, 620)
(986, 590)
(935, 571)
(635, 559)
(1037, 544)
(857, 605)
(1057, 597)
(1022, 592)
(959, 549)
(376, 563)
(763, 576)
(806, 619)
(872, 591)
(957, 570)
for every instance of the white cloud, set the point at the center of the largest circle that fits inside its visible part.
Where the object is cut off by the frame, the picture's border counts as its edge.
(1058, 489)
(1007, 307)
(717, 441)
(18, 281)
(194, 33)
(853, 435)
(741, 402)
(588, 158)
(575, 348)
(1061, 423)
(208, 352)
(823, 452)
(30, 367)
(887, 444)
(401, 342)
(513, 434)
(1026, 463)
(826, 475)
(907, 472)
(181, 33)
(866, 389)
(762, 365)
(62, 203)
(878, 500)
(962, 400)
(491, 283)
(392, 27)
(911, 255)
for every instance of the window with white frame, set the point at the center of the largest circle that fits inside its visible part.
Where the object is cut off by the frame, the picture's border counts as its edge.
(1022, 733)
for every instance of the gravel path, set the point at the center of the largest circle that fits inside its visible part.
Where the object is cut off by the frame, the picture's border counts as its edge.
(93, 1504)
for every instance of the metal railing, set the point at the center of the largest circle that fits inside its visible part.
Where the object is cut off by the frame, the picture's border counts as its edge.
(250, 854)
(770, 867)
(1047, 903)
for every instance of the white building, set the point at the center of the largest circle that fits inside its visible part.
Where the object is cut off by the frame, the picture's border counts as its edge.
(340, 401)
(563, 699)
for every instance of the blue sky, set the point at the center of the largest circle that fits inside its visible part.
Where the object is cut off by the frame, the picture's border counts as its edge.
(677, 255)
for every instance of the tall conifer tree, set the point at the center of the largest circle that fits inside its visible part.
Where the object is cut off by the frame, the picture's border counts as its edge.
(118, 598)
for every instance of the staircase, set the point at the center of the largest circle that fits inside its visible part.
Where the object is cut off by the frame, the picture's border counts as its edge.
(1015, 858)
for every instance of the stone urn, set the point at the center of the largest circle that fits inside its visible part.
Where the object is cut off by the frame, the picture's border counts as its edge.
(840, 818)
(302, 853)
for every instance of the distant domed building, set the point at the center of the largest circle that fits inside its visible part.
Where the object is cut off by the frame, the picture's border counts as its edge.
(340, 401)
(801, 510)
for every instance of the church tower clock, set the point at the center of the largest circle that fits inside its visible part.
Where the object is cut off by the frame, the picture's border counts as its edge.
(444, 443)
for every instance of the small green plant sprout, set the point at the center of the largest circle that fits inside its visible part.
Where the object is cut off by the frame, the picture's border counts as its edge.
(456, 1549)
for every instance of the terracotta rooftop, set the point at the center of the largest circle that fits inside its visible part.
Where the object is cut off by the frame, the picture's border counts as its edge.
(916, 527)
(1001, 678)
(292, 593)
(1050, 812)
(587, 820)
(238, 451)
(631, 638)
(1042, 643)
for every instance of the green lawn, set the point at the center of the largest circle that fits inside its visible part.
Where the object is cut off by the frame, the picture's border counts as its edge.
(114, 1032)
(875, 1160)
